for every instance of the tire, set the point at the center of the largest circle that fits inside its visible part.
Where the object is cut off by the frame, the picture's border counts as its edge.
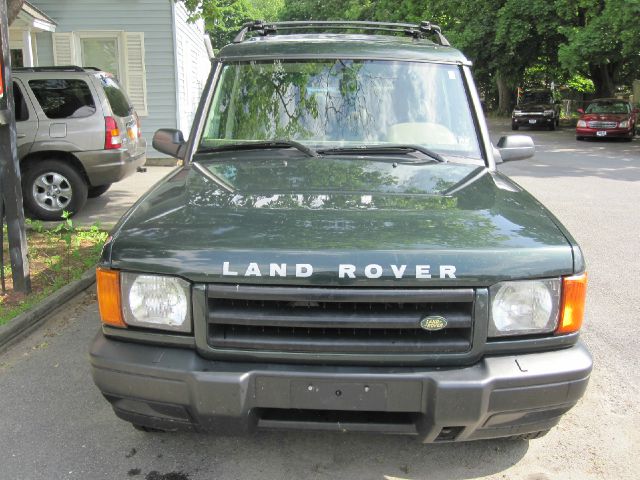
(552, 127)
(95, 192)
(530, 436)
(514, 126)
(51, 187)
(579, 138)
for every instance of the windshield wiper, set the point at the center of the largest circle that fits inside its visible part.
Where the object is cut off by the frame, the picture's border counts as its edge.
(309, 152)
(383, 150)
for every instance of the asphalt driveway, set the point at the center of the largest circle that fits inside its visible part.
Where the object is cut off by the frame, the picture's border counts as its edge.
(55, 425)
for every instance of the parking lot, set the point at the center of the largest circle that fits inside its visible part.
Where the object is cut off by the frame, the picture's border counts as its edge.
(56, 425)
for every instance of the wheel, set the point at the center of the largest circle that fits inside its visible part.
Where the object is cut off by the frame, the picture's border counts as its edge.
(552, 126)
(557, 121)
(142, 428)
(579, 138)
(530, 436)
(51, 187)
(514, 126)
(97, 191)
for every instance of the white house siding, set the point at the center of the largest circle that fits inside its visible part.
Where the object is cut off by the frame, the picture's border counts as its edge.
(153, 18)
(193, 65)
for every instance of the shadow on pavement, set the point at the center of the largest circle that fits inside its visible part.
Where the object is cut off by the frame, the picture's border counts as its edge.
(349, 456)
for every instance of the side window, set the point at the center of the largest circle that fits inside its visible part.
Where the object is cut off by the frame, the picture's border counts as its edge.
(22, 112)
(64, 98)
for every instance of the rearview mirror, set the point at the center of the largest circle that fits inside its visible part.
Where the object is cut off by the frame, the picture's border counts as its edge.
(516, 147)
(580, 110)
(170, 142)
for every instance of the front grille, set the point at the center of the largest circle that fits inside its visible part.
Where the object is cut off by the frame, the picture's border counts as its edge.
(329, 320)
(602, 124)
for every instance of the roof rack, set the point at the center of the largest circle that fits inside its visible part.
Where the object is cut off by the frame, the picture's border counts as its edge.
(416, 31)
(58, 68)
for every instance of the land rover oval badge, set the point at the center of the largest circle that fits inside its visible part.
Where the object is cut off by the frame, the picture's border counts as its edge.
(433, 323)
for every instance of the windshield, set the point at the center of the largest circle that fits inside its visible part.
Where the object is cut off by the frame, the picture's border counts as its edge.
(608, 107)
(536, 97)
(343, 103)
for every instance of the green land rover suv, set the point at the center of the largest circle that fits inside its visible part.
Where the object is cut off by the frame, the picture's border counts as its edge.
(337, 251)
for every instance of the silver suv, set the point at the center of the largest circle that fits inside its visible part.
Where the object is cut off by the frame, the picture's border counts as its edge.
(77, 134)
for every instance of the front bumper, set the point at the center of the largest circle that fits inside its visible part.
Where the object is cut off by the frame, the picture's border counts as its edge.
(109, 166)
(175, 388)
(532, 121)
(608, 132)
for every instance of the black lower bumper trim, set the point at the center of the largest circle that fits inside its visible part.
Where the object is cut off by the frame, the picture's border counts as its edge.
(173, 388)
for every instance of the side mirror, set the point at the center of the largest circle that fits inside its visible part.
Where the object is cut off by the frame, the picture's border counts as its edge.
(636, 110)
(516, 147)
(170, 142)
(580, 110)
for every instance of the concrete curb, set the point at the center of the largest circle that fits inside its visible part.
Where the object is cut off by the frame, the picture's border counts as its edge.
(28, 321)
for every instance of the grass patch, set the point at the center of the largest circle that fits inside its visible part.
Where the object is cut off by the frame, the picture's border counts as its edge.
(57, 257)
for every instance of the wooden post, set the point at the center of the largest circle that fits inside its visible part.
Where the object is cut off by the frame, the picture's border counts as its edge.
(10, 186)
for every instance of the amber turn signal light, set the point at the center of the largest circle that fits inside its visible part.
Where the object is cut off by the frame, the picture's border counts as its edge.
(574, 295)
(108, 285)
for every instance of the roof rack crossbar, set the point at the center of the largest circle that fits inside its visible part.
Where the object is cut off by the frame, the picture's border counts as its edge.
(416, 31)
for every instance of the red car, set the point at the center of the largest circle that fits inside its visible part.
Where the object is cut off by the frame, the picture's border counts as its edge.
(607, 117)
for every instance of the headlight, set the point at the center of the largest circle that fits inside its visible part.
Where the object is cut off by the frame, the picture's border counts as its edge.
(582, 124)
(624, 124)
(154, 301)
(524, 307)
(549, 113)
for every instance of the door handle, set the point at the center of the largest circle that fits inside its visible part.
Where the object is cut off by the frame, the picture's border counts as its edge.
(21, 135)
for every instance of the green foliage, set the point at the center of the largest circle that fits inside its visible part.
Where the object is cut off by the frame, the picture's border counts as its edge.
(223, 18)
(581, 84)
(597, 39)
(602, 40)
(58, 256)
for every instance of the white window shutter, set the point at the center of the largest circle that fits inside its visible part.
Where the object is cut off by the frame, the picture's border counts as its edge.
(135, 75)
(64, 53)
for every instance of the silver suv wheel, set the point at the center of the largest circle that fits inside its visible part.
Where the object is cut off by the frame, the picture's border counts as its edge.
(52, 191)
(51, 187)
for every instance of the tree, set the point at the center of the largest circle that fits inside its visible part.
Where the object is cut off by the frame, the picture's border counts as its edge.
(602, 41)
(13, 9)
(501, 37)
(223, 18)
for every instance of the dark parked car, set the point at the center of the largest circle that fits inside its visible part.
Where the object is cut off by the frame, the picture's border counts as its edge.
(536, 108)
(607, 117)
(340, 252)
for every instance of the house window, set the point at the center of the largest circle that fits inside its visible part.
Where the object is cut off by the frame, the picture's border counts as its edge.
(101, 52)
(119, 53)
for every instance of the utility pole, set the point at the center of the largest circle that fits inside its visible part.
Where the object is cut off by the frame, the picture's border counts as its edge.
(10, 186)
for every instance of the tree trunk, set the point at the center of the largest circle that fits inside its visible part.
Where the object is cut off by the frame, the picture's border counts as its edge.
(602, 77)
(504, 95)
(13, 9)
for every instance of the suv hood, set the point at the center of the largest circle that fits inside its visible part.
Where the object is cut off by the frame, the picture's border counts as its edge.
(612, 117)
(433, 224)
(534, 107)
